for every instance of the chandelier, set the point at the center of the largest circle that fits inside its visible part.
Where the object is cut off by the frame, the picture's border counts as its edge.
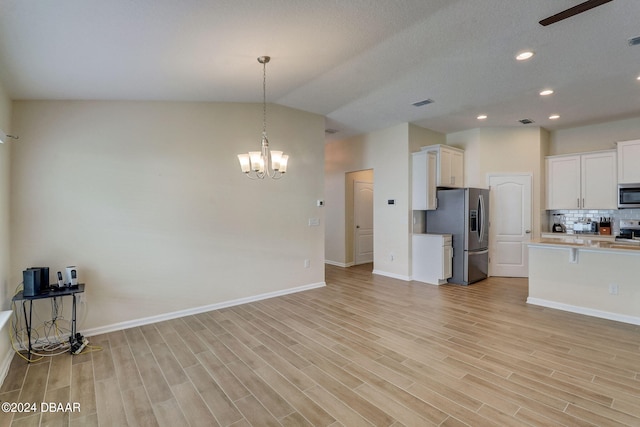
(263, 163)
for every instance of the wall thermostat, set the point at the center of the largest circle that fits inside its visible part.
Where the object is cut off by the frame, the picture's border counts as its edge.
(319, 203)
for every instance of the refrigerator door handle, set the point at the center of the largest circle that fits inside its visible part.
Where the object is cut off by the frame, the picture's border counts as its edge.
(471, 253)
(481, 218)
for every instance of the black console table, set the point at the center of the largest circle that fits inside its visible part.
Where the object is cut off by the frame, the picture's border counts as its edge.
(53, 293)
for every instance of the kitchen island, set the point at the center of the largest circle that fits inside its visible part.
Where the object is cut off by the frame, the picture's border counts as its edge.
(591, 277)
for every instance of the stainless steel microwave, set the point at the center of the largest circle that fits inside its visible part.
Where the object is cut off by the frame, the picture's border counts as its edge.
(628, 196)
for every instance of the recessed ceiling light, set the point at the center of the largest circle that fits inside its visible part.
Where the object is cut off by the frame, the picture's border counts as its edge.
(638, 77)
(482, 116)
(523, 56)
(546, 92)
(554, 117)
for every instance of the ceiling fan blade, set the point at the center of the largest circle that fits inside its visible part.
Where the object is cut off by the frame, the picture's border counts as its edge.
(582, 7)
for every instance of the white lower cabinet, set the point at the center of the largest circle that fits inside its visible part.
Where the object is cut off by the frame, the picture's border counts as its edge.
(431, 259)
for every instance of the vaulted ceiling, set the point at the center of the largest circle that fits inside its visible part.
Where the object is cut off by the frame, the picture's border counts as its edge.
(360, 63)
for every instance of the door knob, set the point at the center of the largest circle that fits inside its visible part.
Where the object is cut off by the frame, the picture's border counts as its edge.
(528, 231)
(357, 226)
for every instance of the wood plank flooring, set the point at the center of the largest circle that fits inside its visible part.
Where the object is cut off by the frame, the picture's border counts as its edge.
(364, 350)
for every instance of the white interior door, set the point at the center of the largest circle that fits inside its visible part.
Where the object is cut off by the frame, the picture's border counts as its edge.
(363, 221)
(510, 225)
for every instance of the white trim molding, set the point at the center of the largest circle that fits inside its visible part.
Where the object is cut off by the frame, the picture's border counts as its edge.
(5, 364)
(392, 275)
(584, 310)
(196, 310)
(339, 264)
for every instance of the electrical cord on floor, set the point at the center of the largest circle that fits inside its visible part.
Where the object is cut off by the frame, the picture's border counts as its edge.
(50, 328)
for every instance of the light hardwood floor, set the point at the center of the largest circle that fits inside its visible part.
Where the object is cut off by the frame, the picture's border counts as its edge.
(364, 350)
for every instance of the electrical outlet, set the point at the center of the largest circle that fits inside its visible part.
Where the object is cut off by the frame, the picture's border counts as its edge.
(391, 256)
(307, 263)
(613, 289)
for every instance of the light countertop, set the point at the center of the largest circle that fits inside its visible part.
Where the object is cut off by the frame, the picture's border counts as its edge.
(587, 244)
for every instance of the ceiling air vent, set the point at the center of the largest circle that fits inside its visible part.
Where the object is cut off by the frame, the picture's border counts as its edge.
(634, 41)
(421, 103)
(330, 131)
(526, 121)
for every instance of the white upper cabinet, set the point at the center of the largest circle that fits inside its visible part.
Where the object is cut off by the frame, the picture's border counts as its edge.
(628, 161)
(424, 168)
(563, 182)
(583, 181)
(599, 180)
(450, 169)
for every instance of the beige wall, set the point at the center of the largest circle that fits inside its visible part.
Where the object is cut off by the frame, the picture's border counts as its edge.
(421, 137)
(387, 153)
(7, 285)
(341, 157)
(602, 136)
(148, 200)
(505, 150)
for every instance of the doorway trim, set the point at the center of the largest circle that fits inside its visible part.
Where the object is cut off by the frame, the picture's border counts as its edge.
(362, 230)
(365, 175)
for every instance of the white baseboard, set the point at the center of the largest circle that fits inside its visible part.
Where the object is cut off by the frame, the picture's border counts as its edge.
(584, 310)
(5, 364)
(422, 282)
(339, 264)
(392, 275)
(196, 310)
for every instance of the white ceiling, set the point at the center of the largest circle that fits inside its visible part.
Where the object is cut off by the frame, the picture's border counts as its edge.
(360, 63)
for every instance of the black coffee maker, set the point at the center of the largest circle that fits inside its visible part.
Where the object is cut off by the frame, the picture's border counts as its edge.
(558, 224)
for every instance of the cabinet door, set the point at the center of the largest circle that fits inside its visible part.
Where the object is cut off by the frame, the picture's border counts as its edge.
(599, 181)
(447, 264)
(432, 170)
(457, 169)
(419, 181)
(563, 182)
(628, 160)
(423, 178)
(444, 169)
(451, 170)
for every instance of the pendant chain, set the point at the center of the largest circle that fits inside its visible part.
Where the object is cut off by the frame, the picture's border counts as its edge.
(264, 98)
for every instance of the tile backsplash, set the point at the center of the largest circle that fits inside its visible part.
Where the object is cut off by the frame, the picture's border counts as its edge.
(572, 216)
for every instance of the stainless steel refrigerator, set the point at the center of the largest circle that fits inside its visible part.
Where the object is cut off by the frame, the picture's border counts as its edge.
(464, 213)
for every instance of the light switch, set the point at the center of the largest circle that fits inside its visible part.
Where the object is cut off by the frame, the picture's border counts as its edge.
(314, 222)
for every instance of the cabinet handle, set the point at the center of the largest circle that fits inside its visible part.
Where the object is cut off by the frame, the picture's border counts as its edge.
(583, 205)
(578, 202)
